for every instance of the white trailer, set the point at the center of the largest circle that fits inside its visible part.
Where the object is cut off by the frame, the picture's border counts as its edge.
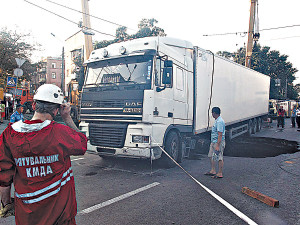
(148, 93)
(241, 93)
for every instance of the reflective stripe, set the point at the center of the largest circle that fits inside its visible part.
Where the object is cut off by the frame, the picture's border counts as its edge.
(49, 194)
(26, 195)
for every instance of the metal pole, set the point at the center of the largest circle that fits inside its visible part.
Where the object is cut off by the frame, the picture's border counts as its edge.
(63, 70)
(286, 86)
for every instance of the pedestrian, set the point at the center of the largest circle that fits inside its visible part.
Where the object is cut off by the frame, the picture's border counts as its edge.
(298, 117)
(18, 114)
(35, 156)
(280, 118)
(6, 108)
(217, 144)
(293, 116)
(2, 110)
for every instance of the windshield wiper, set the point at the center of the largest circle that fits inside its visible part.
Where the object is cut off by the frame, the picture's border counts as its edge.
(98, 75)
(130, 71)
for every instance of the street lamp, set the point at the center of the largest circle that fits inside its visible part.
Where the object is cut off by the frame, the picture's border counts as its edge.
(62, 65)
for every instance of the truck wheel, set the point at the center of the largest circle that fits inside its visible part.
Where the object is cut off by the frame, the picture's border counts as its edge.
(254, 126)
(172, 147)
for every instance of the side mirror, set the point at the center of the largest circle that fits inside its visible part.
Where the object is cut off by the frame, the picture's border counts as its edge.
(167, 75)
(168, 63)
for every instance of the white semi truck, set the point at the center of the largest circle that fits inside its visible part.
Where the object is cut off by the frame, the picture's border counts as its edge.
(154, 92)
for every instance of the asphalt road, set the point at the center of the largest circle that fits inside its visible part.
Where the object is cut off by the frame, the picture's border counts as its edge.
(116, 191)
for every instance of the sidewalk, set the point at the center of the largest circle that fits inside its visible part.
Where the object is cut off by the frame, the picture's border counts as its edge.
(271, 131)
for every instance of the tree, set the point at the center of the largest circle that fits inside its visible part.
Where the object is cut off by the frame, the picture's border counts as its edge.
(12, 45)
(271, 63)
(147, 28)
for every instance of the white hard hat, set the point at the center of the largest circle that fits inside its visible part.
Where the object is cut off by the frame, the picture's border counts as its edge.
(49, 93)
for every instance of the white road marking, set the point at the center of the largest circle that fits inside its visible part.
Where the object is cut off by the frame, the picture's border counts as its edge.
(76, 159)
(119, 198)
(217, 197)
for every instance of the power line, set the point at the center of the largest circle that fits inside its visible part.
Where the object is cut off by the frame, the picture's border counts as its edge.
(67, 18)
(245, 32)
(275, 28)
(282, 38)
(89, 15)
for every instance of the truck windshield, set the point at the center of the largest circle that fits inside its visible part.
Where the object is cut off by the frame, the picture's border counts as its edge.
(130, 69)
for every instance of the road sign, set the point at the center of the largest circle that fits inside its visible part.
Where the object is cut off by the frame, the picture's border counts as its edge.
(18, 72)
(11, 81)
(20, 62)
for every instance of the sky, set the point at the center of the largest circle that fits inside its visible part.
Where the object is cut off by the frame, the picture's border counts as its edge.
(189, 20)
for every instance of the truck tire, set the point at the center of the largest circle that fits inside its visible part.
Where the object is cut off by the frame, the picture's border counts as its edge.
(259, 124)
(254, 126)
(250, 124)
(172, 147)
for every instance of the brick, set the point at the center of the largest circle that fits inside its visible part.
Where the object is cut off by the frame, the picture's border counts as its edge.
(261, 197)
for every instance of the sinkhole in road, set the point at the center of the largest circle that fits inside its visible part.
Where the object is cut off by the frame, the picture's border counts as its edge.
(259, 147)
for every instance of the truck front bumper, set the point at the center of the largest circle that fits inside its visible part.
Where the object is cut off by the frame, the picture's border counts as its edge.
(126, 152)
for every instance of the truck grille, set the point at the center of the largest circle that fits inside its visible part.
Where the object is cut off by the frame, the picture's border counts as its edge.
(109, 104)
(107, 135)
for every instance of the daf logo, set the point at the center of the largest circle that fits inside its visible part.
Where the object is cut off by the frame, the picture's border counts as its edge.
(133, 104)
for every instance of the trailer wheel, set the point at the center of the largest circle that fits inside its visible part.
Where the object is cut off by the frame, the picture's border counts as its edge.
(172, 147)
(259, 124)
(254, 126)
(250, 124)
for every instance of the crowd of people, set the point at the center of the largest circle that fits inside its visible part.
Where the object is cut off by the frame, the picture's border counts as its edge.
(295, 117)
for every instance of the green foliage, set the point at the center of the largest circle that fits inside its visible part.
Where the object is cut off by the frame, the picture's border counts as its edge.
(12, 45)
(147, 28)
(271, 63)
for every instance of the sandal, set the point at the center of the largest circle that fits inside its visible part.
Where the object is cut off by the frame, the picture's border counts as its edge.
(216, 177)
(210, 174)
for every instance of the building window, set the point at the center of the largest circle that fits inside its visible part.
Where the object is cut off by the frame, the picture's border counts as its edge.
(76, 53)
(53, 65)
(61, 66)
(53, 75)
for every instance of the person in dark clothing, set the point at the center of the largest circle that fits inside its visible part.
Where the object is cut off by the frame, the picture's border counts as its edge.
(293, 116)
(298, 117)
(280, 118)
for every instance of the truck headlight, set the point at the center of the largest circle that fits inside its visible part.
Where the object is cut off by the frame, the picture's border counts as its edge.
(140, 139)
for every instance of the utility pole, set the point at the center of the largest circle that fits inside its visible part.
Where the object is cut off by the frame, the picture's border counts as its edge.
(251, 34)
(63, 69)
(86, 25)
